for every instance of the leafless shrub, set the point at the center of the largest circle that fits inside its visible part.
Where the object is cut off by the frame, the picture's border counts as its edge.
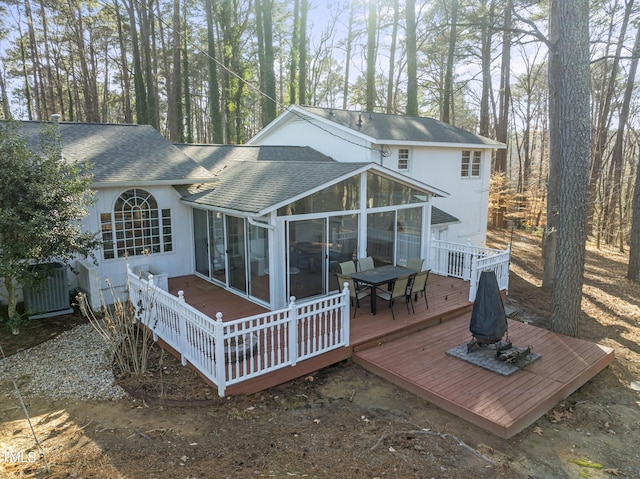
(122, 327)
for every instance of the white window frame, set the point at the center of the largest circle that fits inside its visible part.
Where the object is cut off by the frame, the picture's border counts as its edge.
(138, 227)
(471, 164)
(404, 162)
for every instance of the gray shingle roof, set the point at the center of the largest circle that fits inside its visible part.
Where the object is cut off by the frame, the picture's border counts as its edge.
(122, 154)
(439, 217)
(384, 128)
(216, 156)
(256, 184)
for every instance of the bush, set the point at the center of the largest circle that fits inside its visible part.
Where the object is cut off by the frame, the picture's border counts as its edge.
(122, 327)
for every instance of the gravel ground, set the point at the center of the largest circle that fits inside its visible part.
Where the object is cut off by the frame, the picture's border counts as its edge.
(73, 365)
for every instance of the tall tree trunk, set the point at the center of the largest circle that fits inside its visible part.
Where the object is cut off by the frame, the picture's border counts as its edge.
(293, 67)
(412, 61)
(89, 91)
(51, 99)
(572, 50)
(604, 115)
(124, 67)
(504, 104)
(633, 269)
(262, 77)
(269, 72)
(486, 38)
(176, 77)
(392, 56)
(618, 149)
(447, 95)
(347, 69)
(550, 238)
(148, 60)
(142, 110)
(215, 115)
(371, 56)
(25, 76)
(35, 61)
(302, 49)
(104, 108)
(188, 119)
(4, 98)
(167, 64)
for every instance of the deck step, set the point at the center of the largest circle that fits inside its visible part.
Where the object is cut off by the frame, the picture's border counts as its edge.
(413, 328)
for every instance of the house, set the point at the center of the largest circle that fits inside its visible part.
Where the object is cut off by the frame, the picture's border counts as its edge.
(427, 150)
(273, 219)
(266, 222)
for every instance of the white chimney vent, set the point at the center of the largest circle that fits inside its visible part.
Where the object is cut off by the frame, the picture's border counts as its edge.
(55, 117)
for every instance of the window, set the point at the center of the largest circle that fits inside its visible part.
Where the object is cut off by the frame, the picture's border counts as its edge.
(403, 159)
(136, 226)
(470, 166)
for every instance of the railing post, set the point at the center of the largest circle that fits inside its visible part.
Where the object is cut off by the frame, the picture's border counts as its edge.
(506, 285)
(433, 264)
(345, 314)
(182, 330)
(293, 331)
(468, 258)
(473, 279)
(219, 359)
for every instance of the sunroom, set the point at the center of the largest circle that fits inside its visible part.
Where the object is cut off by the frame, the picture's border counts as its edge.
(269, 230)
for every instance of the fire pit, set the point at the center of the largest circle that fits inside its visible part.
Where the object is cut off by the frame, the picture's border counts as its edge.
(490, 346)
(488, 319)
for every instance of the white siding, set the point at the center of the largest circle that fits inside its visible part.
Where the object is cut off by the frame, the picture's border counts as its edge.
(178, 262)
(436, 166)
(328, 140)
(468, 200)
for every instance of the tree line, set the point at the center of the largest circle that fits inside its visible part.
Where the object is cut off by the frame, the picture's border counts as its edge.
(217, 71)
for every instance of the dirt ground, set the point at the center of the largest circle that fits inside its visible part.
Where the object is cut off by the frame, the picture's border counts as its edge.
(343, 422)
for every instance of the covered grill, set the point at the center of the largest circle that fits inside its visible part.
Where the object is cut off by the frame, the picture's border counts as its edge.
(488, 319)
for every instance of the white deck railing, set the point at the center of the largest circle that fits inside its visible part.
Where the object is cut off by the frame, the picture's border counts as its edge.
(233, 351)
(230, 352)
(466, 261)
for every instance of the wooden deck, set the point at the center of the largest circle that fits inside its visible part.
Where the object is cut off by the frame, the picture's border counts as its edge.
(410, 352)
(503, 405)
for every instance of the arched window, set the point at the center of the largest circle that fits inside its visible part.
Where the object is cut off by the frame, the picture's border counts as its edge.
(136, 227)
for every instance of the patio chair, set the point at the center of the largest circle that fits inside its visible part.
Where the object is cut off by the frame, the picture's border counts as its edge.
(399, 290)
(348, 267)
(365, 263)
(415, 264)
(418, 285)
(355, 293)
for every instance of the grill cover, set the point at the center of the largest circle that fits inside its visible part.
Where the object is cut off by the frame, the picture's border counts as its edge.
(488, 319)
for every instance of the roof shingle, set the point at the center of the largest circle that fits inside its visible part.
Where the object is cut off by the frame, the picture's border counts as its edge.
(135, 154)
(383, 127)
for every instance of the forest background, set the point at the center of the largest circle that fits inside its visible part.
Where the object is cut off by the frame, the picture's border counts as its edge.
(218, 71)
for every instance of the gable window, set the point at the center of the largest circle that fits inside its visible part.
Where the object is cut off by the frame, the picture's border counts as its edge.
(470, 166)
(136, 226)
(403, 159)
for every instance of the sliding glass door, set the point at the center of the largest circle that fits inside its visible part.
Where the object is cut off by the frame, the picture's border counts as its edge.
(306, 259)
(394, 236)
(230, 251)
(201, 242)
(315, 248)
(236, 252)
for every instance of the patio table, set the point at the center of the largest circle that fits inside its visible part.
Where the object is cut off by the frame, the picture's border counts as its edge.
(378, 276)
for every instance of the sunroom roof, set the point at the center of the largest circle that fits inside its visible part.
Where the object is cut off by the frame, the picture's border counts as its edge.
(261, 184)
